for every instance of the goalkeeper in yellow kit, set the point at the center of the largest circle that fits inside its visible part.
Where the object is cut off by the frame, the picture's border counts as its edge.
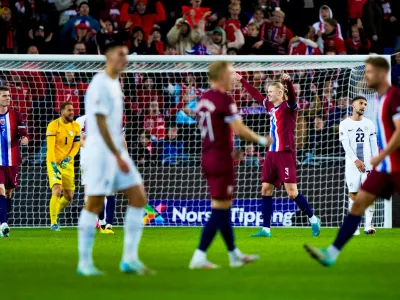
(63, 143)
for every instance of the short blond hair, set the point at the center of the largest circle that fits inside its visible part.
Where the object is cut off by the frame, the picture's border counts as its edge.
(254, 25)
(216, 69)
(281, 87)
(234, 5)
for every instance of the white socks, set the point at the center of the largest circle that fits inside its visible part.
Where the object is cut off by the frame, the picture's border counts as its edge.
(132, 233)
(333, 251)
(266, 229)
(313, 219)
(351, 202)
(369, 214)
(86, 232)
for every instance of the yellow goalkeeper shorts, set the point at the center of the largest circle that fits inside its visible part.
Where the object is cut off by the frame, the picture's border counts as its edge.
(66, 179)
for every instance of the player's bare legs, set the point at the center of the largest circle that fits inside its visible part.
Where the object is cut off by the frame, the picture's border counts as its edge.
(328, 256)
(302, 203)
(220, 219)
(4, 229)
(133, 230)
(267, 190)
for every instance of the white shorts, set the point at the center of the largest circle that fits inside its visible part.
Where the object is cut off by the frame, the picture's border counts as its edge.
(354, 178)
(102, 175)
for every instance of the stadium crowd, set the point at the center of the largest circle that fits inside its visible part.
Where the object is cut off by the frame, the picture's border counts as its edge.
(160, 106)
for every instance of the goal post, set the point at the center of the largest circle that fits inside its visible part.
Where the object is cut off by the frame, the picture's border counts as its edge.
(165, 143)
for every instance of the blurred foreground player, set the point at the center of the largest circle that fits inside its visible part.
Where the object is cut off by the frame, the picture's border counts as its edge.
(358, 137)
(280, 161)
(218, 117)
(12, 129)
(63, 142)
(108, 166)
(384, 180)
(106, 216)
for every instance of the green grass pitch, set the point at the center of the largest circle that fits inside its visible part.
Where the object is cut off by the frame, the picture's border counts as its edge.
(40, 264)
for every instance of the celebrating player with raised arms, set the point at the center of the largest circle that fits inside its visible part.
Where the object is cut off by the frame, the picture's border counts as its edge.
(218, 117)
(280, 162)
(358, 137)
(63, 142)
(108, 166)
(384, 180)
(12, 130)
(106, 216)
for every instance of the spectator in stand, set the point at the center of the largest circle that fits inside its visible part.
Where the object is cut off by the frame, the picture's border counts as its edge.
(79, 48)
(87, 36)
(145, 152)
(170, 50)
(372, 18)
(225, 23)
(258, 19)
(331, 40)
(198, 13)
(304, 45)
(216, 43)
(137, 45)
(135, 11)
(268, 6)
(154, 42)
(154, 122)
(112, 12)
(171, 150)
(32, 50)
(396, 69)
(233, 14)
(322, 139)
(20, 96)
(252, 37)
(325, 13)
(395, 18)
(358, 43)
(338, 113)
(354, 10)
(39, 39)
(66, 9)
(69, 30)
(251, 157)
(69, 89)
(275, 34)
(328, 101)
(147, 94)
(108, 34)
(183, 37)
(7, 32)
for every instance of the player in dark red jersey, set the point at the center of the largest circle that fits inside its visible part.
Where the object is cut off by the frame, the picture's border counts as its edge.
(280, 161)
(12, 129)
(218, 120)
(384, 180)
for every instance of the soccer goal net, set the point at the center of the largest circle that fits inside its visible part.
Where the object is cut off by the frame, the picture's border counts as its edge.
(161, 93)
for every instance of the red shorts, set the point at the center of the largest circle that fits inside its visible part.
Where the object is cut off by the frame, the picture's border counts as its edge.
(221, 185)
(382, 184)
(279, 167)
(9, 176)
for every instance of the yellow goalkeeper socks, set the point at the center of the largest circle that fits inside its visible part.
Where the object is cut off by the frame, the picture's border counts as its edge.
(53, 209)
(62, 203)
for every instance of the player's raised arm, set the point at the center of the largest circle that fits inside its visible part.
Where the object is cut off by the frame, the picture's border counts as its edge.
(251, 89)
(245, 133)
(291, 94)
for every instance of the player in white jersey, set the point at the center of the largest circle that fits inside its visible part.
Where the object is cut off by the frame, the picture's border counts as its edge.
(106, 216)
(108, 166)
(358, 137)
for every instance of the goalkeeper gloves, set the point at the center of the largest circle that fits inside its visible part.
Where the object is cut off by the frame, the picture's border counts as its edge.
(64, 162)
(56, 171)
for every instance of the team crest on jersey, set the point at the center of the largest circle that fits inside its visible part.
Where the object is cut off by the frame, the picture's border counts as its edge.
(366, 128)
(2, 121)
(71, 133)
